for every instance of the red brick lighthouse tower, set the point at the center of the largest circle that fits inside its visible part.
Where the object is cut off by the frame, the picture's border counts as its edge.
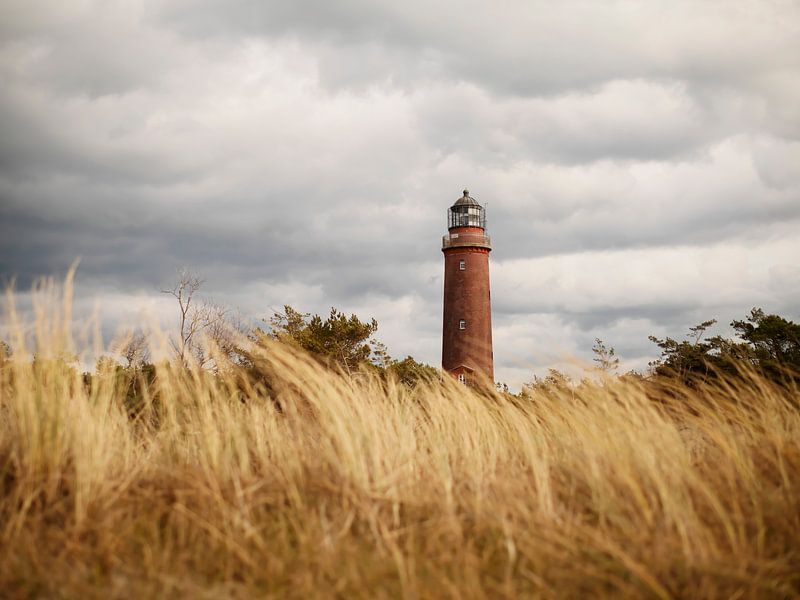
(467, 325)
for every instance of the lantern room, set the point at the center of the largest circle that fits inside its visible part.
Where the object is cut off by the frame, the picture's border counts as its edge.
(466, 212)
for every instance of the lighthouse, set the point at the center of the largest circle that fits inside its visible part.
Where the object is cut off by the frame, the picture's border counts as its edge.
(467, 322)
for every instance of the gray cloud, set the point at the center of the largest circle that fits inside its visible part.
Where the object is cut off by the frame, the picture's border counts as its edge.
(525, 47)
(639, 162)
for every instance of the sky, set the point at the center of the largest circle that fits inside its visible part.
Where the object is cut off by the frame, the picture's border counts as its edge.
(640, 161)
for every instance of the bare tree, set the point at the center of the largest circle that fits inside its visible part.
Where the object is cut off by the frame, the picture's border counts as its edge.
(208, 330)
(184, 290)
(135, 350)
(220, 333)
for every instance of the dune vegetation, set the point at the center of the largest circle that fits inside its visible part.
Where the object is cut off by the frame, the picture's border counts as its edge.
(332, 485)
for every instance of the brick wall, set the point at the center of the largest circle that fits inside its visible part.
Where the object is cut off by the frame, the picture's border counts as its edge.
(466, 297)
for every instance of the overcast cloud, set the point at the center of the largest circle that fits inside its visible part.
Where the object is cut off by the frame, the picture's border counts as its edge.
(640, 160)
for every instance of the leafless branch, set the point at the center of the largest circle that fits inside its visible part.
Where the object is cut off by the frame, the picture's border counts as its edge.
(184, 290)
(208, 330)
(135, 350)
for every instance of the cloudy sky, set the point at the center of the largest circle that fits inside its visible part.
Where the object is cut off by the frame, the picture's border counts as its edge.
(640, 160)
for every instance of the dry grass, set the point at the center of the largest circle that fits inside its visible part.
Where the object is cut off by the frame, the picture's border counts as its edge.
(358, 489)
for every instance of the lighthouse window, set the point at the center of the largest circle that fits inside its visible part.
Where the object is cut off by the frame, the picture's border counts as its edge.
(462, 265)
(462, 324)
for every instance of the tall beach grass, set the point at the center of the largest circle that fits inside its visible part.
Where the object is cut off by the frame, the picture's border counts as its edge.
(352, 487)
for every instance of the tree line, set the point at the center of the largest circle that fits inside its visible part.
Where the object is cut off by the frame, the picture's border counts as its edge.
(764, 344)
(211, 336)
